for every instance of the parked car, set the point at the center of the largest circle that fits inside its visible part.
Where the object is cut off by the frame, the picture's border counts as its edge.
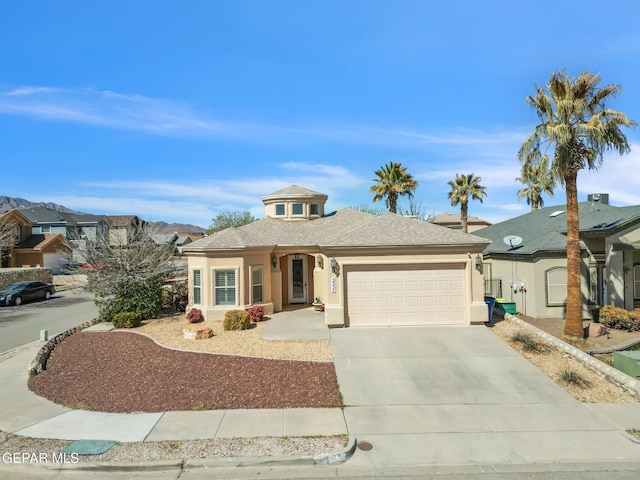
(21, 292)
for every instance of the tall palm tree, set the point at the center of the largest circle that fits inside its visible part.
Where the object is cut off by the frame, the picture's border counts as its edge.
(392, 182)
(577, 127)
(463, 189)
(538, 180)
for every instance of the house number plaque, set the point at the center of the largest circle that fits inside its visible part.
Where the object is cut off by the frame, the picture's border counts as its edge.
(333, 284)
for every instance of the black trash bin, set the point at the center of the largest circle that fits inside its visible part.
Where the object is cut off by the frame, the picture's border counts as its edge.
(491, 302)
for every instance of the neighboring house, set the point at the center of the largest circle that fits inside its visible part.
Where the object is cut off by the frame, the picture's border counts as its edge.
(164, 238)
(528, 257)
(452, 220)
(75, 228)
(50, 250)
(123, 229)
(34, 250)
(368, 270)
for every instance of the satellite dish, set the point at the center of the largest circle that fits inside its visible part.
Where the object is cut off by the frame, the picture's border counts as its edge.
(512, 240)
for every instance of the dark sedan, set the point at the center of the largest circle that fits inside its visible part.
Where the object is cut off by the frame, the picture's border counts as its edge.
(22, 292)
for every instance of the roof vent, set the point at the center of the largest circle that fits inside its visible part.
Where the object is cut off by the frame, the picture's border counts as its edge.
(556, 213)
(602, 198)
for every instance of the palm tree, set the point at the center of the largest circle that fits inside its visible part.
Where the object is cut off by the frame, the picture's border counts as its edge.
(463, 189)
(538, 180)
(578, 128)
(392, 181)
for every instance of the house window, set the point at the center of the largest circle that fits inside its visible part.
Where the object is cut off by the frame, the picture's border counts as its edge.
(280, 209)
(313, 209)
(16, 233)
(225, 287)
(256, 284)
(46, 229)
(593, 284)
(636, 281)
(297, 209)
(557, 287)
(197, 287)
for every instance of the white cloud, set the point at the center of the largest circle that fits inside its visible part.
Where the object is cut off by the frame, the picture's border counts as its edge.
(173, 118)
(23, 91)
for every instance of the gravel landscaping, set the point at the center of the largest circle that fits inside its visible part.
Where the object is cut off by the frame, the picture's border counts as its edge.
(593, 388)
(125, 372)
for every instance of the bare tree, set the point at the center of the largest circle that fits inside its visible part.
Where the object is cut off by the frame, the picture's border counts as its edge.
(416, 209)
(8, 236)
(126, 278)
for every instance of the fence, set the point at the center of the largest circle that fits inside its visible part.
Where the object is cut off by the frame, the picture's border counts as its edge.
(493, 287)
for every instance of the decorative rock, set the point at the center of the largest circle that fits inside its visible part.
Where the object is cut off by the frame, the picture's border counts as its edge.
(197, 332)
(597, 329)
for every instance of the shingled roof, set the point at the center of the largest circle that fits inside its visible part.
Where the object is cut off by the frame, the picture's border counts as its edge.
(344, 228)
(544, 230)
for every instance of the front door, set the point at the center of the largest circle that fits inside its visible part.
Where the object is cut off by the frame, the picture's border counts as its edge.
(298, 279)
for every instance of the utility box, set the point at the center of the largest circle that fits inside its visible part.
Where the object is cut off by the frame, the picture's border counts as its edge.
(508, 307)
(628, 362)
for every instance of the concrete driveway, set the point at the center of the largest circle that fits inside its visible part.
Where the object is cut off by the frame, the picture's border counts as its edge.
(460, 395)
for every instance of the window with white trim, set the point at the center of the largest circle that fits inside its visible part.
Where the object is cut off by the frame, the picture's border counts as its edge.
(280, 209)
(636, 281)
(297, 209)
(224, 287)
(45, 229)
(257, 284)
(197, 287)
(557, 286)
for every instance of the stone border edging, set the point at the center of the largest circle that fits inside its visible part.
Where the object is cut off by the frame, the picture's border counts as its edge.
(621, 379)
(39, 363)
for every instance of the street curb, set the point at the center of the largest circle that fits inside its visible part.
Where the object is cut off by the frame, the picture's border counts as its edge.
(326, 459)
(616, 376)
(147, 466)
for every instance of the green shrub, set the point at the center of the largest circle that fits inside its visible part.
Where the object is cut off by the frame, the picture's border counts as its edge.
(571, 376)
(529, 343)
(127, 320)
(140, 298)
(236, 320)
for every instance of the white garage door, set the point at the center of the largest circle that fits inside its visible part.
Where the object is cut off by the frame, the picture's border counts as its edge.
(429, 295)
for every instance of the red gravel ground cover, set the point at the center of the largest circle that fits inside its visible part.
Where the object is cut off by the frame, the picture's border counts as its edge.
(121, 372)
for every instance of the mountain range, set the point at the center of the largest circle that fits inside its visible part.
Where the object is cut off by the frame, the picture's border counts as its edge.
(11, 203)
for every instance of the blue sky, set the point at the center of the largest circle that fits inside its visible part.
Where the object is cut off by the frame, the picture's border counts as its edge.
(180, 110)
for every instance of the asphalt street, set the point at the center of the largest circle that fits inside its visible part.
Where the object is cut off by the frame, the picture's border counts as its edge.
(22, 324)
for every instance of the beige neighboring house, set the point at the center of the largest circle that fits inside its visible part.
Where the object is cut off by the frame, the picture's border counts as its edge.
(367, 270)
(123, 229)
(50, 250)
(452, 220)
(526, 262)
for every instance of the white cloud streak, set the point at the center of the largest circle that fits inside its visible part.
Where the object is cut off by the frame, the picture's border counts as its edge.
(172, 118)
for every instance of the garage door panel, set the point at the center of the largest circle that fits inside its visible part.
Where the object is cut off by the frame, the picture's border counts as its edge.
(393, 295)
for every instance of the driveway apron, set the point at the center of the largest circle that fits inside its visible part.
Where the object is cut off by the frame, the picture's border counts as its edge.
(460, 395)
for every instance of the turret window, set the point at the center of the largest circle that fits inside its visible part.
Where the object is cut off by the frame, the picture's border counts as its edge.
(297, 209)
